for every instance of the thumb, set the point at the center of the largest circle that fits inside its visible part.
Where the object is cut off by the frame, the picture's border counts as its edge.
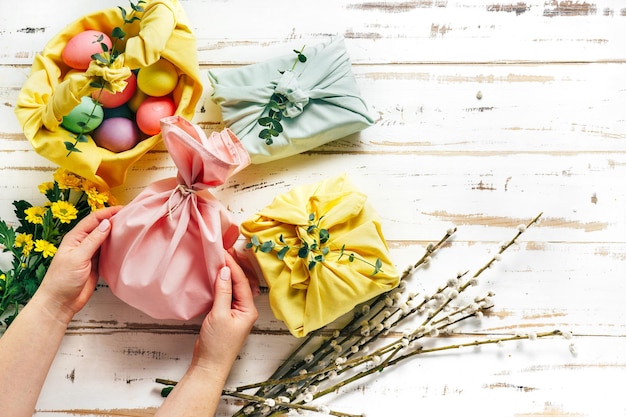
(223, 290)
(95, 238)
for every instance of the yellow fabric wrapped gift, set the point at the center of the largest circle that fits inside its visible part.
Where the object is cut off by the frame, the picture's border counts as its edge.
(50, 93)
(321, 251)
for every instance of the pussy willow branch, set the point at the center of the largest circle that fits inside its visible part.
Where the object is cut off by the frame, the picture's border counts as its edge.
(375, 307)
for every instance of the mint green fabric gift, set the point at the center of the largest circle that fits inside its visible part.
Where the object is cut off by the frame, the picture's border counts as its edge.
(323, 105)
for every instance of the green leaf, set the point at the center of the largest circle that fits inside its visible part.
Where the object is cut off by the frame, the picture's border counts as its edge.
(311, 217)
(266, 121)
(267, 247)
(324, 235)
(282, 252)
(166, 391)
(301, 58)
(265, 134)
(118, 33)
(325, 250)
(378, 266)
(100, 58)
(7, 234)
(82, 138)
(255, 240)
(274, 106)
(104, 46)
(123, 12)
(96, 84)
(312, 265)
(71, 147)
(351, 257)
(303, 252)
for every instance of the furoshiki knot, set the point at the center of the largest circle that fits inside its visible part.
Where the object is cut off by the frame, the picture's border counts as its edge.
(184, 191)
(289, 87)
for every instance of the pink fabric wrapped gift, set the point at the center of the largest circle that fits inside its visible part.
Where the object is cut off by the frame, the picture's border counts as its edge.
(167, 245)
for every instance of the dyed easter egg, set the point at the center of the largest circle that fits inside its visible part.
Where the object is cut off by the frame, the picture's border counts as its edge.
(151, 111)
(158, 79)
(85, 117)
(79, 49)
(116, 134)
(109, 100)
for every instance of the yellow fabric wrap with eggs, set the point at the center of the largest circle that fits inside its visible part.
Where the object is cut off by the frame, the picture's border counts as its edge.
(49, 93)
(308, 292)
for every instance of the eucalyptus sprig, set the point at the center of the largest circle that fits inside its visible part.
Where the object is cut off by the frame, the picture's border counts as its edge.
(276, 106)
(107, 57)
(315, 252)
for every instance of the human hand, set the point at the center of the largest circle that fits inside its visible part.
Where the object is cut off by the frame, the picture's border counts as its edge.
(229, 322)
(73, 272)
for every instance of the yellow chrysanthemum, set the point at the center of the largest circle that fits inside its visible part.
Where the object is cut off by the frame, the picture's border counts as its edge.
(95, 198)
(45, 187)
(46, 248)
(24, 241)
(67, 179)
(35, 214)
(64, 211)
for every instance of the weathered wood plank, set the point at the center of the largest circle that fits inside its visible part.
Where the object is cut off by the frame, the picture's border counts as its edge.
(401, 32)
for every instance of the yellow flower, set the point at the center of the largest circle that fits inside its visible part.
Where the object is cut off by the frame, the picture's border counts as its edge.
(64, 211)
(35, 214)
(45, 187)
(46, 248)
(67, 179)
(24, 241)
(95, 198)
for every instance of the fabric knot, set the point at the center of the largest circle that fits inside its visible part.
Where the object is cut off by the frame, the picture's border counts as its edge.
(184, 191)
(289, 87)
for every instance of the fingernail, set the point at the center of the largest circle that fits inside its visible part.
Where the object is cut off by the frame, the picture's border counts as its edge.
(225, 273)
(104, 225)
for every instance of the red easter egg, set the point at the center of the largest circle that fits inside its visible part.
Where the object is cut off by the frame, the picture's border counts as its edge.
(116, 134)
(151, 111)
(79, 49)
(109, 100)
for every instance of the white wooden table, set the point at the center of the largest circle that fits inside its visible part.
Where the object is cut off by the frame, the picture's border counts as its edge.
(486, 114)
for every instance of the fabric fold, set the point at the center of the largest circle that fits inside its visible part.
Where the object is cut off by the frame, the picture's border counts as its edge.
(347, 262)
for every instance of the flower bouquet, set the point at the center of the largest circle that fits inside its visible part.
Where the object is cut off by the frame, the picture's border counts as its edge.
(92, 101)
(33, 243)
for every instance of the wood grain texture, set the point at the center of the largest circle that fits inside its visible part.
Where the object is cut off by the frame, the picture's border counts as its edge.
(486, 112)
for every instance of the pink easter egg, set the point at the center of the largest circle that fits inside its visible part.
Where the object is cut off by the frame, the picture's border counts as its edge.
(151, 111)
(116, 134)
(79, 49)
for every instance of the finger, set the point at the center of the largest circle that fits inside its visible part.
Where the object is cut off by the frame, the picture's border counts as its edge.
(223, 296)
(89, 223)
(97, 227)
(242, 292)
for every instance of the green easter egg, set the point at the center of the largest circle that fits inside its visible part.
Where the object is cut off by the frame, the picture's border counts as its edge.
(85, 117)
